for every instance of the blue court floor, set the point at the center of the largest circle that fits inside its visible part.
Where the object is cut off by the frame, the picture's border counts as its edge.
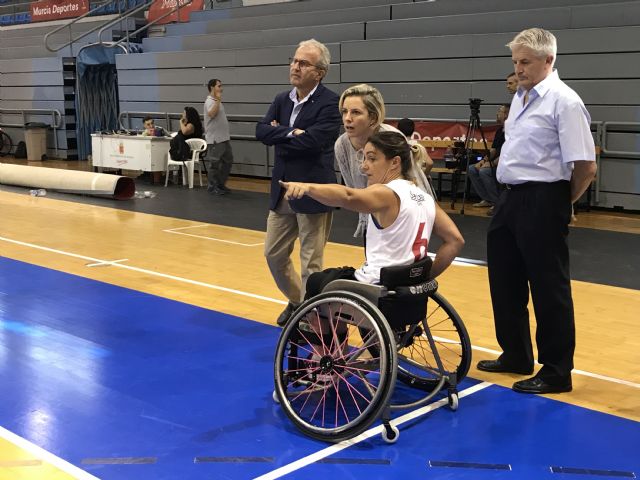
(126, 385)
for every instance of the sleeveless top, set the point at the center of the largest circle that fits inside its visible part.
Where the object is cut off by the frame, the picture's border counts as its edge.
(403, 242)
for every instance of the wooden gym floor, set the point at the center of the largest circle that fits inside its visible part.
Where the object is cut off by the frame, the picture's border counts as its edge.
(220, 268)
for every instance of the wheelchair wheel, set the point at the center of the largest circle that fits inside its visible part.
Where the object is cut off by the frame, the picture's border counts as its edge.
(326, 379)
(417, 364)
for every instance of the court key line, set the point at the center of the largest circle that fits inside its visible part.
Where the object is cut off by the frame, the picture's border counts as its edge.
(314, 457)
(204, 237)
(106, 263)
(258, 297)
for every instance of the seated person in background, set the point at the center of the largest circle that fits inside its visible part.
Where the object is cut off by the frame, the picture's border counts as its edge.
(190, 127)
(150, 129)
(401, 217)
(482, 174)
(190, 123)
(407, 127)
(363, 111)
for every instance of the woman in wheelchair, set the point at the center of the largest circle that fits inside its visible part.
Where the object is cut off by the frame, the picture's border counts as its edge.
(340, 353)
(401, 216)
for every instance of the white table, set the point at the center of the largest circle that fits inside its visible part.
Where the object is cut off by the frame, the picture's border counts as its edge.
(128, 152)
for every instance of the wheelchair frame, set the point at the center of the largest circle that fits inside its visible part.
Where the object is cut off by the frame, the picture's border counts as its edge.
(335, 374)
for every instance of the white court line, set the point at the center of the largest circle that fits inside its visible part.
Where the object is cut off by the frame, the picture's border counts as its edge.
(106, 263)
(45, 456)
(314, 457)
(260, 297)
(145, 271)
(185, 228)
(204, 237)
(576, 371)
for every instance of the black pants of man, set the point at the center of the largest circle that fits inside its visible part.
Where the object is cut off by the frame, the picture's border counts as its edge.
(527, 248)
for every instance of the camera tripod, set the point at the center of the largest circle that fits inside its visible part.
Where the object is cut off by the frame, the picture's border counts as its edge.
(472, 129)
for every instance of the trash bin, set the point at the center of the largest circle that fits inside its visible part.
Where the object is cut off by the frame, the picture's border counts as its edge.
(35, 136)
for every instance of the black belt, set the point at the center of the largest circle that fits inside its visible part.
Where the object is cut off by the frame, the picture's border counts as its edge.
(522, 186)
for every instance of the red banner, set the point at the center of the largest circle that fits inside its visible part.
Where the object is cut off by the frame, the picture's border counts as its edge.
(57, 9)
(448, 131)
(161, 7)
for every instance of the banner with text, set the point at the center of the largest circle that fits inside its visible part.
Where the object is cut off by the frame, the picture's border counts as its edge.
(456, 131)
(57, 9)
(161, 7)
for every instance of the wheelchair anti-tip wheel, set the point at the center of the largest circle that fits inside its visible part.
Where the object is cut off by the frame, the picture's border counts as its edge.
(417, 365)
(327, 380)
(390, 433)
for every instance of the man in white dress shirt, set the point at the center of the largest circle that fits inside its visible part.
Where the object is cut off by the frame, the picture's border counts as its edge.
(546, 163)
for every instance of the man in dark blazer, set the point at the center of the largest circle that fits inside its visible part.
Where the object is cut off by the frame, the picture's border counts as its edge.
(303, 125)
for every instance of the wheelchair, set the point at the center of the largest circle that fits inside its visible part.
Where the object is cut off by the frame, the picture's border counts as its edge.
(341, 353)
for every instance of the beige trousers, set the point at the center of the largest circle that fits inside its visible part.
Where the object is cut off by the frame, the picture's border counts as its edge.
(283, 227)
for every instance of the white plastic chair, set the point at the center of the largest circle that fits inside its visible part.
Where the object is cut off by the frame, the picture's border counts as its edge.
(197, 145)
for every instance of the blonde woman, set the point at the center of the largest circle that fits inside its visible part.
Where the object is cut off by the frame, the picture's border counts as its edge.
(362, 110)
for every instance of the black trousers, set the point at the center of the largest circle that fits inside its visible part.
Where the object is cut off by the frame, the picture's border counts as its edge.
(527, 250)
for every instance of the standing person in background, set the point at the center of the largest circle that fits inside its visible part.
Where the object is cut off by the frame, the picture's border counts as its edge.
(303, 125)
(216, 130)
(546, 164)
(362, 109)
(512, 83)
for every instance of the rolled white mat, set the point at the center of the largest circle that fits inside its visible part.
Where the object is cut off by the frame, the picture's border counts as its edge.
(69, 181)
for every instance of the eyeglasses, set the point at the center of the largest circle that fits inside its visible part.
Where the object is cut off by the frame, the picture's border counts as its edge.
(303, 64)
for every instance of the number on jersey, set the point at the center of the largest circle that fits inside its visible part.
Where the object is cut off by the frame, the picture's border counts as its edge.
(419, 247)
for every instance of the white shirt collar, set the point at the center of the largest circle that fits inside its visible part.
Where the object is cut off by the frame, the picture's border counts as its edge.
(293, 95)
(542, 87)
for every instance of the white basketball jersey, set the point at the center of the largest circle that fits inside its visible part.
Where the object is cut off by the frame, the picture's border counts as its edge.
(403, 242)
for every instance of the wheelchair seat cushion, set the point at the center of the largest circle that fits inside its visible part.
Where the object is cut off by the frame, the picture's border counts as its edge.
(405, 275)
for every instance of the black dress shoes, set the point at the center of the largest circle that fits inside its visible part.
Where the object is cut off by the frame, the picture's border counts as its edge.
(497, 366)
(284, 317)
(540, 385)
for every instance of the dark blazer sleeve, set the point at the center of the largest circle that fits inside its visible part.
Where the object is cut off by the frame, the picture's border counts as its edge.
(322, 133)
(267, 133)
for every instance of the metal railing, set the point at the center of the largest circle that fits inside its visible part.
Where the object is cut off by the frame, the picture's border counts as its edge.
(144, 27)
(68, 25)
(599, 129)
(606, 126)
(169, 117)
(56, 119)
